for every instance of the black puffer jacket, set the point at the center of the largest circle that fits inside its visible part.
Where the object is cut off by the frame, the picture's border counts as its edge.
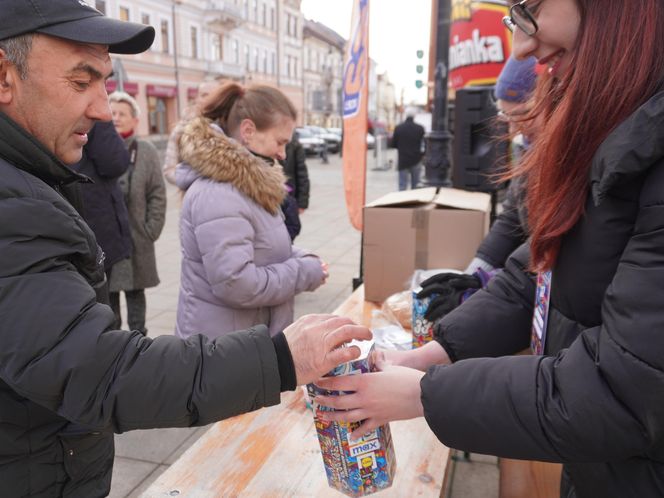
(595, 401)
(105, 159)
(68, 382)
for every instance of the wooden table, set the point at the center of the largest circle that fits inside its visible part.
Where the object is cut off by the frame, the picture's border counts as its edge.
(275, 451)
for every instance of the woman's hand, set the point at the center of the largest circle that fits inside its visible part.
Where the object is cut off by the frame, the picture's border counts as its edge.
(378, 397)
(421, 358)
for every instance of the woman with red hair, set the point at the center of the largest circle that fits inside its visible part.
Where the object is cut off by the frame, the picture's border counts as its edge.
(586, 292)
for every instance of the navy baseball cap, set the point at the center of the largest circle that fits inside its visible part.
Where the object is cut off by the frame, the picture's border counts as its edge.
(73, 20)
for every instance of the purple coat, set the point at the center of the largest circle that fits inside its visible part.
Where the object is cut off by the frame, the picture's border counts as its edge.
(238, 265)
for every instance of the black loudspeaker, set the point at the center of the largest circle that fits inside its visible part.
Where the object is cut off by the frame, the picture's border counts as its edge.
(480, 149)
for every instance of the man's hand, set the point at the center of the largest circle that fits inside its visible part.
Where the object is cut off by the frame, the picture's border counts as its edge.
(376, 398)
(316, 342)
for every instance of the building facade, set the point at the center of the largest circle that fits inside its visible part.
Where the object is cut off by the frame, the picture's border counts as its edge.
(250, 41)
(323, 75)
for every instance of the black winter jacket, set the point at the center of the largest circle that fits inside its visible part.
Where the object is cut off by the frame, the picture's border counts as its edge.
(595, 401)
(407, 139)
(297, 175)
(509, 230)
(67, 381)
(105, 159)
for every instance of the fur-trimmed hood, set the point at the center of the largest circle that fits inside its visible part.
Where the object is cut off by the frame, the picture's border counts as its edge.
(209, 153)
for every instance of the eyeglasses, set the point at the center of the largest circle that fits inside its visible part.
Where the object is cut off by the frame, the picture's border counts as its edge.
(508, 117)
(520, 17)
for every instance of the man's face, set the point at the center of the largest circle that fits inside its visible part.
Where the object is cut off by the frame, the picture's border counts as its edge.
(63, 95)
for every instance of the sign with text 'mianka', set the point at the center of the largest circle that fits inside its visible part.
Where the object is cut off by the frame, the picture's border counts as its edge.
(479, 42)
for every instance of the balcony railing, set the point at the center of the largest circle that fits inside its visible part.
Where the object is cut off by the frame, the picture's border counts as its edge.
(223, 15)
(221, 68)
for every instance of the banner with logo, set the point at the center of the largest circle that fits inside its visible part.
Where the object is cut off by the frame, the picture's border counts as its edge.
(479, 42)
(355, 97)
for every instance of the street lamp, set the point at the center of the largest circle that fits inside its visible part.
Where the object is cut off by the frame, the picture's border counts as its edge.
(175, 56)
(437, 159)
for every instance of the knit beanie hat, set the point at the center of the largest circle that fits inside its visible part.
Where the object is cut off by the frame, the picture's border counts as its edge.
(516, 80)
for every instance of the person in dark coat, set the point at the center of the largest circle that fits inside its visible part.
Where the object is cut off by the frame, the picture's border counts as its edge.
(145, 195)
(68, 380)
(408, 139)
(514, 88)
(297, 185)
(105, 159)
(585, 293)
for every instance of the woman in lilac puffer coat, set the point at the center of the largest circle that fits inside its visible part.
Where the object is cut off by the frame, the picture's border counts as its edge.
(238, 265)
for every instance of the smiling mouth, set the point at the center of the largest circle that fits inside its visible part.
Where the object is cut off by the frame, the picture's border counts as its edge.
(553, 61)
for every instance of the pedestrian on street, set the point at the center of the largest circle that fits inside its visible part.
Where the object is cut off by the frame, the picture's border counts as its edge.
(172, 157)
(239, 267)
(68, 380)
(297, 185)
(105, 159)
(585, 294)
(408, 139)
(145, 195)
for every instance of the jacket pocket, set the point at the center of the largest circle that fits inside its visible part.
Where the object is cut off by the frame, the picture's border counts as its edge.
(88, 457)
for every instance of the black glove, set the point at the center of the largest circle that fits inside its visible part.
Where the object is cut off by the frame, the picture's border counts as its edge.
(450, 288)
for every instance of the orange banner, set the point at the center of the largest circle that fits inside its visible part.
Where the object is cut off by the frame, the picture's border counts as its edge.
(355, 96)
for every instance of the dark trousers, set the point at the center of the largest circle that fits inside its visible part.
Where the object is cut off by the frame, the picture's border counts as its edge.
(135, 310)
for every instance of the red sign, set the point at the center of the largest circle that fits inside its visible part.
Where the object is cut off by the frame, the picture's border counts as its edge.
(192, 93)
(129, 87)
(479, 42)
(163, 91)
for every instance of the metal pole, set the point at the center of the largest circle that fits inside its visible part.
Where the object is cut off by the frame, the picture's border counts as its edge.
(175, 59)
(438, 156)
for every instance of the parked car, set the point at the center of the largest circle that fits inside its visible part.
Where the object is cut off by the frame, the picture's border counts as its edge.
(311, 144)
(332, 140)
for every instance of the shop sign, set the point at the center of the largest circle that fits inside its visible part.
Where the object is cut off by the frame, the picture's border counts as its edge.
(162, 91)
(479, 42)
(130, 87)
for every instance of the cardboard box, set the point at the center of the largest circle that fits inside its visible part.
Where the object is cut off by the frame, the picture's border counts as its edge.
(420, 229)
(355, 468)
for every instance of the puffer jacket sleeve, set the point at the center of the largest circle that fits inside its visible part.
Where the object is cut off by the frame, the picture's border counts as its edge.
(59, 351)
(494, 321)
(225, 239)
(598, 400)
(506, 233)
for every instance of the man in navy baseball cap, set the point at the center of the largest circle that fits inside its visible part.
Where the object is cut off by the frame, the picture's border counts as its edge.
(73, 20)
(68, 379)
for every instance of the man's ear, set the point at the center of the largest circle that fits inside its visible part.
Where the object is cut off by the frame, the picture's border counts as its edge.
(6, 79)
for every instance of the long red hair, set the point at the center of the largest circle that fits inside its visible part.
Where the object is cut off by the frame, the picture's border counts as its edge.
(618, 65)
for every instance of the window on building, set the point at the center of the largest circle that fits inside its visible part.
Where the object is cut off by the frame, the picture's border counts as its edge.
(247, 58)
(216, 47)
(124, 13)
(264, 15)
(235, 46)
(164, 36)
(193, 34)
(273, 18)
(145, 19)
(296, 62)
(273, 68)
(245, 6)
(100, 5)
(255, 60)
(255, 11)
(294, 26)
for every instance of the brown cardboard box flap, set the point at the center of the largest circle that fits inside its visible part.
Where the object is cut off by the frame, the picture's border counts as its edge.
(406, 197)
(462, 199)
